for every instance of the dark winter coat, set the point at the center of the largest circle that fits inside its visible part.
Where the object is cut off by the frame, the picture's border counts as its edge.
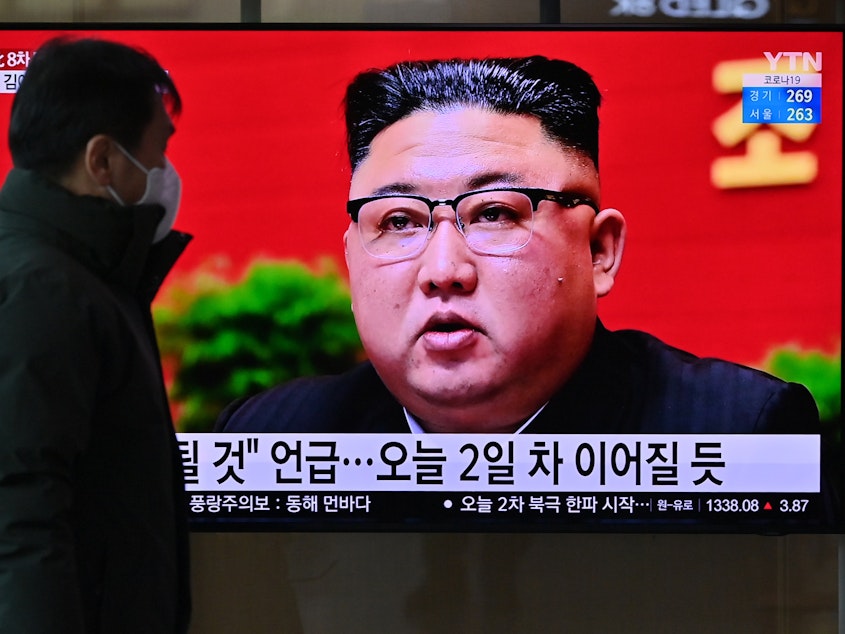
(93, 534)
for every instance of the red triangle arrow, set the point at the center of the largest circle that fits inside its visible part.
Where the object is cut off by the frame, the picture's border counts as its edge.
(767, 507)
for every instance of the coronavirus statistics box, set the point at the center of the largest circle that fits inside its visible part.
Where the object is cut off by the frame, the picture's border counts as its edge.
(790, 93)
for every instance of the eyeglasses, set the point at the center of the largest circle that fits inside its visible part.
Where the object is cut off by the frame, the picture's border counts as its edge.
(493, 221)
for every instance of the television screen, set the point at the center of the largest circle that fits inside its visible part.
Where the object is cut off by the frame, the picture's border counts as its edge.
(720, 173)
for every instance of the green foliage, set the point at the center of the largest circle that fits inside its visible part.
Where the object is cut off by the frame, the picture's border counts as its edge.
(820, 373)
(228, 340)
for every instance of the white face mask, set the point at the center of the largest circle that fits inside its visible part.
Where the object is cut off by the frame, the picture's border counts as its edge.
(164, 187)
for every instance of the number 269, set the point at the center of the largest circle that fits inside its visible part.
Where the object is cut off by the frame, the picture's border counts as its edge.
(799, 96)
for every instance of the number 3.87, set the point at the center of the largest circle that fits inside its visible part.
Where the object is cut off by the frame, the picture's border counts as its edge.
(793, 506)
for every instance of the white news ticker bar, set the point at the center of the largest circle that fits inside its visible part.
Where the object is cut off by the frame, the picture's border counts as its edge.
(512, 463)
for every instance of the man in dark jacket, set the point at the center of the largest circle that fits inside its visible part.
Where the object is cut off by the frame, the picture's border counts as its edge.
(93, 535)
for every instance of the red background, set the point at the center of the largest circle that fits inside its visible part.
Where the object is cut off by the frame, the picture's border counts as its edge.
(730, 273)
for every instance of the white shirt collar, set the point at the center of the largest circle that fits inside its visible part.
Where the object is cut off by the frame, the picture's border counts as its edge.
(416, 428)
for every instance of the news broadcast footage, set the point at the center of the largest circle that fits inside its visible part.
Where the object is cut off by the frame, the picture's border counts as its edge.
(721, 148)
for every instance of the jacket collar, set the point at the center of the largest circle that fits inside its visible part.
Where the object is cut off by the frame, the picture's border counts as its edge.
(115, 242)
(600, 396)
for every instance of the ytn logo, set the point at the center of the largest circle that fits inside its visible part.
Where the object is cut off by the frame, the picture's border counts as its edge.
(808, 60)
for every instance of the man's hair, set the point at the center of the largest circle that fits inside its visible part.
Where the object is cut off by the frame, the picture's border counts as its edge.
(560, 94)
(76, 89)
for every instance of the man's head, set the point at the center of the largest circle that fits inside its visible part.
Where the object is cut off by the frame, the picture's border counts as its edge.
(84, 101)
(475, 312)
(559, 94)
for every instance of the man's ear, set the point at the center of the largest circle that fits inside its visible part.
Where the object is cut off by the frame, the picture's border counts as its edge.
(97, 159)
(607, 241)
(91, 171)
(346, 233)
(346, 243)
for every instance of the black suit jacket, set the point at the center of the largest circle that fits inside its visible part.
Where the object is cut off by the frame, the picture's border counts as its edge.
(630, 382)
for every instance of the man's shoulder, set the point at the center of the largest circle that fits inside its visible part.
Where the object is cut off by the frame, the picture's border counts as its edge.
(46, 298)
(355, 401)
(33, 252)
(668, 363)
(639, 384)
(710, 395)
